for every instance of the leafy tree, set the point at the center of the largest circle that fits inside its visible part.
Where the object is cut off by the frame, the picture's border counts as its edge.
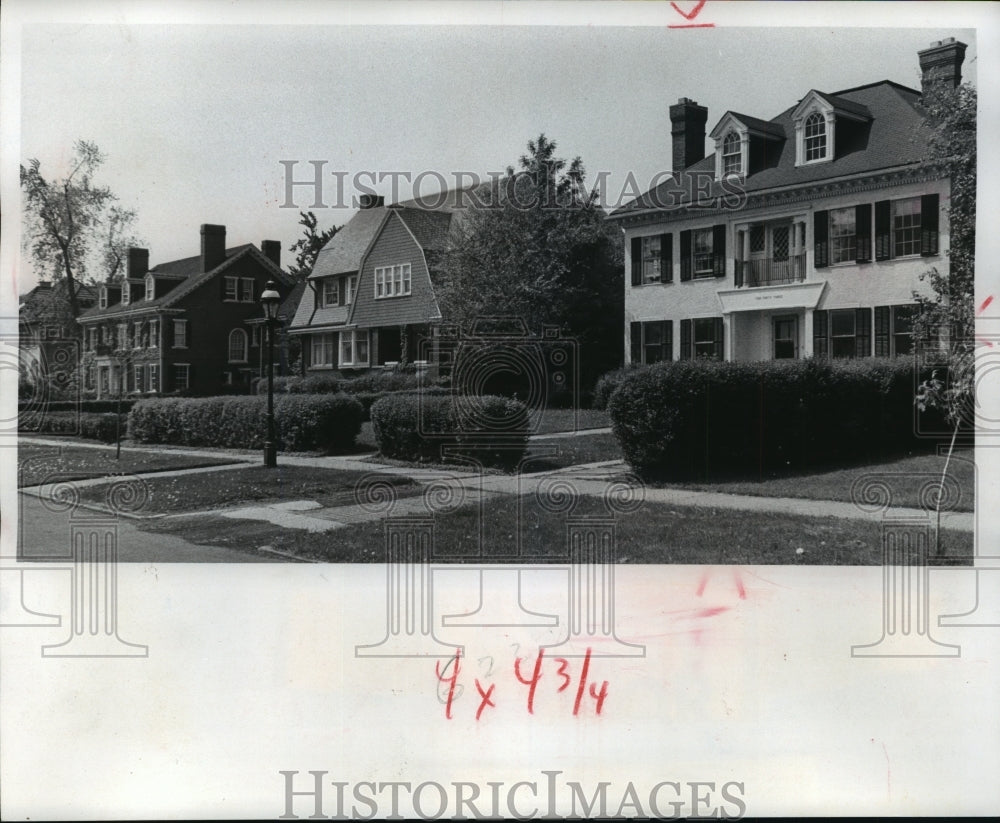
(74, 229)
(946, 319)
(307, 247)
(536, 246)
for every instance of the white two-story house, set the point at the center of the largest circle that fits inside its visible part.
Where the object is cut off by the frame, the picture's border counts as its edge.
(803, 235)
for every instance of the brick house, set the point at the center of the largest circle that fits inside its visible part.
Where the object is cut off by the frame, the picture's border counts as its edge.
(370, 297)
(47, 335)
(190, 326)
(803, 235)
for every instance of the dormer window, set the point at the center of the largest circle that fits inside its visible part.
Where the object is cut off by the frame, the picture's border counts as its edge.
(150, 287)
(732, 155)
(102, 297)
(815, 137)
(126, 288)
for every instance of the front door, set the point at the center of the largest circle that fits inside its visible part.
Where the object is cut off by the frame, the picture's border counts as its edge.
(786, 337)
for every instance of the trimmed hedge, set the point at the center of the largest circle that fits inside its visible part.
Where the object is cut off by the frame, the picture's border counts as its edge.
(704, 418)
(418, 427)
(84, 405)
(607, 383)
(95, 426)
(302, 422)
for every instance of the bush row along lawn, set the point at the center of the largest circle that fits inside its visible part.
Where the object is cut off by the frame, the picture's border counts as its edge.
(252, 485)
(37, 463)
(656, 533)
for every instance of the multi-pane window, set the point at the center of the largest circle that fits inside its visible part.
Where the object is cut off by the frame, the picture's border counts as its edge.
(154, 377)
(758, 239)
(704, 338)
(182, 376)
(732, 160)
(137, 379)
(150, 287)
(392, 281)
(656, 341)
(323, 352)
(104, 375)
(102, 299)
(843, 236)
(703, 252)
(350, 286)
(331, 292)
(232, 288)
(652, 259)
(906, 227)
(246, 289)
(91, 339)
(815, 137)
(354, 348)
(180, 334)
(126, 288)
(842, 333)
(154, 334)
(123, 335)
(902, 329)
(237, 346)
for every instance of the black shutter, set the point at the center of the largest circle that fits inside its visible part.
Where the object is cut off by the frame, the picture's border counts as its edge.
(667, 257)
(882, 331)
(863, 332)
(686, 255)
(737, 272)
(718, 333)
(863, 232)
(821, 341)
(883, 230)
(636, 261)
(821, 232)
(635, 339)
(667, 346)
(685, 339)
(719, 250)
(929, 225)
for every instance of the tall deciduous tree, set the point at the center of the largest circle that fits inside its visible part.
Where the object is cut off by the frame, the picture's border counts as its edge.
(538, 247)
(307, 247)
(74, 229)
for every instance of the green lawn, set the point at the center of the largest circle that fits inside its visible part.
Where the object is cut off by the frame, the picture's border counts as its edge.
(572, 451)
(254, 484)
(654, 534)
(36, 463)
(909, 475)
(561, 420)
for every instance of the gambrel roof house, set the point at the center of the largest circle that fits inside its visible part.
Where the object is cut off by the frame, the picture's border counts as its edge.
(801, 235)
(370, 298)
(189, 326)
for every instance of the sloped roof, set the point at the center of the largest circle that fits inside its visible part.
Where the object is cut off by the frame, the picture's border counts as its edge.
(768, 127)
(898, 137)
(47, 302)
(429, 227)
(343, 253)
(190, 268)
(844, 104)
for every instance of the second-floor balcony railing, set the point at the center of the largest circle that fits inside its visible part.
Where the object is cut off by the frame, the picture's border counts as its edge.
(766, 271)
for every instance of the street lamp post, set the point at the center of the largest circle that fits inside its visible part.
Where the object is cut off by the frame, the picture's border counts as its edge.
(270, 300)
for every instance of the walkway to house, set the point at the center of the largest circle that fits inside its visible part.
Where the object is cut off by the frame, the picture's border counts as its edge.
(467, 488)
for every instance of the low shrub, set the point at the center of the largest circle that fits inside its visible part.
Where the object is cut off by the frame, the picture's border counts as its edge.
(302, 422)
(607, 383)
(702, 418)
(383, 380)
(85, 405)
(92, 425)
(442, 428)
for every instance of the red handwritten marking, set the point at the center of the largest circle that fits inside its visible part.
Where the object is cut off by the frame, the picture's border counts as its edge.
(486, 697)
(563, 665)
(712, 611)
(701, 585)
(689, 16)
(986, 303)
(739, 585)
(534, 678)
(984, 342)
(599, 696)
(453, 679)
(583, 681)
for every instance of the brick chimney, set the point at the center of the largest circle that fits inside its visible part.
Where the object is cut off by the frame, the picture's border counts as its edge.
(137, 263)
(687, 128)
(941, 64)
(272, 251)
(213, 246)
(371, 201)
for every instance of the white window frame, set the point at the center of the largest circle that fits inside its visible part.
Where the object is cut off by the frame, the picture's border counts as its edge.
(126, 292)
(138, 377)
(330, 293)
(349, 288)
(853, 336)
(914, 240)
(91, 338)
(232, 290)
(187, 376)
(732, 147)
(393, 281)
(153, 378)
(351, 338)
(255, 336)
(150, 287)
(710, 254)
(153, 340)
(239, 334)
(823, 136)
(848, 242)
(704, 323)
(651, 262)
(323, 351)
(123, 339)
(244, 283)
(102, 298)
(182, 326)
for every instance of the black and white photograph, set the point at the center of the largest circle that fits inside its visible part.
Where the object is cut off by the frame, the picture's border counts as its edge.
(460, 410)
